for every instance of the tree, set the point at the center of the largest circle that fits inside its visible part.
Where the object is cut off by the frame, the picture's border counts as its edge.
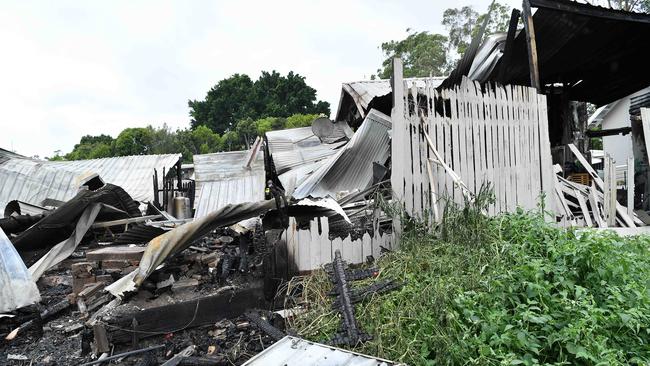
(134, 141)
(464, 23)
(279, 96)
(642, 6)
(300, 120)
(422, 54)
(56, 157)
(227, 102)
(231, 141)
(247, 131)
(238, 98)
(92, 147)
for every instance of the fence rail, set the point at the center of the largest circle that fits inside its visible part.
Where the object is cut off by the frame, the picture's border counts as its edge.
(498, 134)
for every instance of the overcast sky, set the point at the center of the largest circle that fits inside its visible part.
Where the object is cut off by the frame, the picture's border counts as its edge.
(70, 69)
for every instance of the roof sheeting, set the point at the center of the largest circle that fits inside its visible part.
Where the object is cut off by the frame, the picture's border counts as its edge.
(639, 101)
(594, 52)
(222, 179)
(291, 159)
(32, 180)
(297, 153)
(294, 351)
(133, 173)
(291, 139)
(597, 52)
(351, 168)
(363, 92)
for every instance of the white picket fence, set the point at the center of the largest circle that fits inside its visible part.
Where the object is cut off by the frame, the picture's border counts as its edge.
(499, 135)
(309, 250)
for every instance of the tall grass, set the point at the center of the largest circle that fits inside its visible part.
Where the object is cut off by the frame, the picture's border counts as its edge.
(505, 290)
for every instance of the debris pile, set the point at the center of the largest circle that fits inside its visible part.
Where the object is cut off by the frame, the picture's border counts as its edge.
(143, 260)
(176, 281)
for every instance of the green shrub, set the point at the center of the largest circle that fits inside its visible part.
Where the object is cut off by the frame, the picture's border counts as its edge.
(506, 290)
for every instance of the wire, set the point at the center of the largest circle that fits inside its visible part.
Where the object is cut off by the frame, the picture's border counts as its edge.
(196, 310)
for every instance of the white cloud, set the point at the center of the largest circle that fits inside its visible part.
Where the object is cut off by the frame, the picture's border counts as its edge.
(70, 69)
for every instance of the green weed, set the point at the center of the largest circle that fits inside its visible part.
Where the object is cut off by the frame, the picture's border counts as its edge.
(507, 290)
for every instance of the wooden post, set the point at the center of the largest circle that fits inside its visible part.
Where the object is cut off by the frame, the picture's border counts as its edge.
(607, 190)
(398, 138)
(510, 40)
(610, 191)
(179, 177)
(532, 45)
(630, 186)
(612, 195)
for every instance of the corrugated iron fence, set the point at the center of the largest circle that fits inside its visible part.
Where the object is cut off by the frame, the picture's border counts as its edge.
(497, 135)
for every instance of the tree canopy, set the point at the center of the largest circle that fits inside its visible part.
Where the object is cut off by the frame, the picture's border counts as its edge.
(163, 140)
(464, 23)
(239, 98)
(422, 53)
(425, 53)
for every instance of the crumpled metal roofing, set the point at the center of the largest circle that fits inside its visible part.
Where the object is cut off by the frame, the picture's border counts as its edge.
(363, 92)
(222, 179)
(599, 53)
(487, 57)
(179, 238)
(294, 351)
(32, 181)
(291, 139)
(351, 168)
(291, 159)
(297, 153)
(17, 289)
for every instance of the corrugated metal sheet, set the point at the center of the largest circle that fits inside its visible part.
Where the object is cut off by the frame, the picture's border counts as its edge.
(363, 92)
(133, 173)
(293, 351)
(32, 181)
(291, 159)
(291, 139)
(598, 52)
(297, 153)
(638, 102)
(351, 168)
(487, 57)
(222, 179)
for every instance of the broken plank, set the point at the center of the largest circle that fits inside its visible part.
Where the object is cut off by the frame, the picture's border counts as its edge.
(600, 184)
(101, 344)
(630, 187)
(115, 253)
(593, 200)
(131, 220)
(583, 207)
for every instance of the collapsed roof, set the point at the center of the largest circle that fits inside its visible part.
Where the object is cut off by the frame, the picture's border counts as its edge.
(358, 97)
(223, 178)
(351, 169)
(33, 181)
(597, 53)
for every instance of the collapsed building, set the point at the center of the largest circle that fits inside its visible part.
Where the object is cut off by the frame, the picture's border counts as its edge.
(124, 258)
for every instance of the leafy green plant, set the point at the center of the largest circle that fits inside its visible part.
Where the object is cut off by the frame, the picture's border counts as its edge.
(507, 290)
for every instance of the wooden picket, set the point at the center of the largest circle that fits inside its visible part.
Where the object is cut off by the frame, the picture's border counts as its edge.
(488, 133)
(310, 249)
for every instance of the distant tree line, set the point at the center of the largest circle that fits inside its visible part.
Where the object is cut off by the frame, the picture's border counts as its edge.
(234, 112)
(237, 109)
(190, 141)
